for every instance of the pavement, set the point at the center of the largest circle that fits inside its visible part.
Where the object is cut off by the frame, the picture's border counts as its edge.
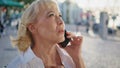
(96, 52)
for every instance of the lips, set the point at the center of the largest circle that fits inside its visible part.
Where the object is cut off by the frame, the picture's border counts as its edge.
(61, 31)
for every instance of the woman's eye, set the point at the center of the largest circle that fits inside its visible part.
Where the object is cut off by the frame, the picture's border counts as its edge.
(51, 15)
(60, 15)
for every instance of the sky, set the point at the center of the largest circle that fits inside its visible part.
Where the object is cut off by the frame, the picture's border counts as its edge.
(96, 3)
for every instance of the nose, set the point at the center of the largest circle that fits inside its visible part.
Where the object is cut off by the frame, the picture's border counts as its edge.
(60, 21)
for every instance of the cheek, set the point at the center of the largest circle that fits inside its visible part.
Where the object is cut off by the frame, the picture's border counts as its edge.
(40, 31)
(47, 31)
(48, 25)
(51, 25)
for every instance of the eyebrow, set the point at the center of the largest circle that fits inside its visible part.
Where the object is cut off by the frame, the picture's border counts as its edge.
(53, 11)
(50, 12)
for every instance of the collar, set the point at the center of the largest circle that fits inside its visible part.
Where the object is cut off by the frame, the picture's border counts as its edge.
(27, 55)
(66, 59)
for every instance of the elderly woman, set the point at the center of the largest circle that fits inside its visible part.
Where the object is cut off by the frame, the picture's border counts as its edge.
(40, 31)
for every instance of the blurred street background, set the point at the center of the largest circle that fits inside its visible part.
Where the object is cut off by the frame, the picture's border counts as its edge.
(97, 20)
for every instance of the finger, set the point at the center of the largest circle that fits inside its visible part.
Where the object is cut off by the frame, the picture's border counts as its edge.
(77, 38)
(70, 35)
(73, 36)
(78, 34)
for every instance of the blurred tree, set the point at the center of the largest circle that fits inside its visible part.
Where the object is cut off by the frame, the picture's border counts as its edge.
(25, 1)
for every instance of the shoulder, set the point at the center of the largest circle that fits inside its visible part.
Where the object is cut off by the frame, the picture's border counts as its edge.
(14, 63)
(26, 59)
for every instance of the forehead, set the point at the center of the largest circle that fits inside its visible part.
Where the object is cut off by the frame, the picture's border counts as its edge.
(47, 6)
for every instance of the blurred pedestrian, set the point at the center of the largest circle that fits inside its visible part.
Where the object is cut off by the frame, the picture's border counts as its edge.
(1, 28)
(90, 23)
(40, 31)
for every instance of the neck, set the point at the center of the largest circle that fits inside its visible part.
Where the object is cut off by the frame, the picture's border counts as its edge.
(46, 51)
(44, 47)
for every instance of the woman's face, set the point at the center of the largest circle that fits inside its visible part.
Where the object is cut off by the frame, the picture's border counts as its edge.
(50, 26)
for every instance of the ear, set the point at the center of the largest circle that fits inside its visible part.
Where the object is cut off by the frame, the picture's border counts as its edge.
(31, 27)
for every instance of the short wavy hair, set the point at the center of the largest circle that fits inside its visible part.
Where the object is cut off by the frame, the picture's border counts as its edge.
(30, 15)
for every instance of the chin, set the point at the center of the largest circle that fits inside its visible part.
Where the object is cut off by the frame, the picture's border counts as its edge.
(61, 40)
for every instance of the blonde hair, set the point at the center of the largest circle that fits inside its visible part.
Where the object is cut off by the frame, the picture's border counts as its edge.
(30, 15)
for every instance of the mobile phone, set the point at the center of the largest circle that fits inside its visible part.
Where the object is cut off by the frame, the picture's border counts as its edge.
(66, 41)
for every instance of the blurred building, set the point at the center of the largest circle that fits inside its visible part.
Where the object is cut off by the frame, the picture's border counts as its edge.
(71, 12)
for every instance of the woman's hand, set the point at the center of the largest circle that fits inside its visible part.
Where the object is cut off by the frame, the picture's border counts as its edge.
(74, 49)
(75, 44)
